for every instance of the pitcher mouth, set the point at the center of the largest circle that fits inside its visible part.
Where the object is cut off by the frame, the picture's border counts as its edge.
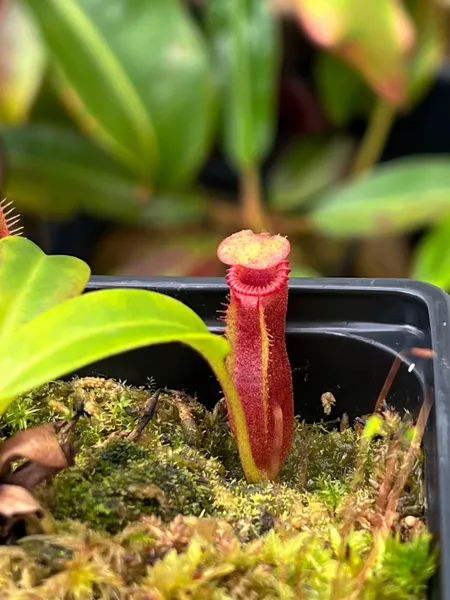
(258, 282)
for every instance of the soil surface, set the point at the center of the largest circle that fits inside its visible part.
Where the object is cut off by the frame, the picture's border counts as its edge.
(156, 507)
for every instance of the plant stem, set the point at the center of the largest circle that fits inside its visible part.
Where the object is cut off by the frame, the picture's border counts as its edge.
(225, 216)
(375, 137)
(251, 204)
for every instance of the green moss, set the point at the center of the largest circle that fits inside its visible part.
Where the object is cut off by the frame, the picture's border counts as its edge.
(317, 452)
(170, 516)
(111, 405)
(122, 481)
(405, 569)
(193, 558)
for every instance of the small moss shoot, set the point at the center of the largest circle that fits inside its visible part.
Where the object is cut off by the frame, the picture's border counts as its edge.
(169, 515)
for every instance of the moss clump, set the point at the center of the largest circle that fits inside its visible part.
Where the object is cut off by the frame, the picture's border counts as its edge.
(122, 481)
(202, 559)
(113, 409)
(168, 514)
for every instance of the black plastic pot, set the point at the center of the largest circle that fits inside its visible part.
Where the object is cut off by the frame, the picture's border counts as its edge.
(342, 337)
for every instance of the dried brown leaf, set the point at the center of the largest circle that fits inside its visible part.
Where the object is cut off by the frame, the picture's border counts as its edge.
(15, 500)
(30, 474)
(39, 445)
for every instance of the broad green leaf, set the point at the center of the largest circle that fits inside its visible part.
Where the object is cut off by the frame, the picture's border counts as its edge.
(150, 55)
(88, 328)
(307, 168)
(342, 93)
(32, 282)
(117, 114)
(402, 195)
(23, 62)
(429, 51)
(245, 42)
(55, 171)
(372, 37)
(431, 260)
(167, 60)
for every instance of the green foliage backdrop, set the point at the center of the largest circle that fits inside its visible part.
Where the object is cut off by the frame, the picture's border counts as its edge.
(114, 107)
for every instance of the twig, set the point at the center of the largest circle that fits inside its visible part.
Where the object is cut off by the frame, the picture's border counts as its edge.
(147, 415)
(419, 352)
(80, 411)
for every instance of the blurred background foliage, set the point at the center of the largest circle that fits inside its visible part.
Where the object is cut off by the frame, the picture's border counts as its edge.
(137, 133)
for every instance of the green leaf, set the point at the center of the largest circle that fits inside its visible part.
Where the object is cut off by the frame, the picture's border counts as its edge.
(342, 93)
(244, 37)
(32, 282)
(431, 261)
(307, 168)
(23, 62)
(402, 195)
(373, 38)
(88, 328)
(137, 76)
(429, 51)
(117, 114)
(55, 172)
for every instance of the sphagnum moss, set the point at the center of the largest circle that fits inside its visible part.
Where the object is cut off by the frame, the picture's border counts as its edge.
(169, 515)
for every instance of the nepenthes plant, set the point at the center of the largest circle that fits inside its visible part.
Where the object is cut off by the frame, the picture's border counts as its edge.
(311, 510)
